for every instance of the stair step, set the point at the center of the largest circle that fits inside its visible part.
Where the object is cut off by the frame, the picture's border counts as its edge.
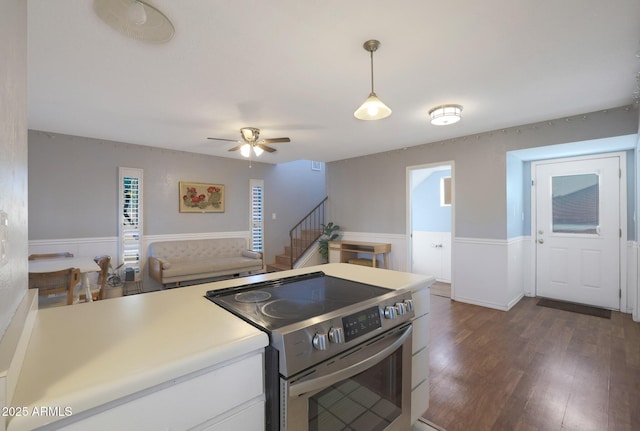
(310, 233)
(301, 242)
(274, 267)
(283, 259)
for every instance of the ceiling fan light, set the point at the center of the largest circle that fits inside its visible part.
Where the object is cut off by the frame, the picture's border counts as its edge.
(136, 13)
(257, 150)
(372, 109)
(250, 134)
(245, 150)
(445, 114)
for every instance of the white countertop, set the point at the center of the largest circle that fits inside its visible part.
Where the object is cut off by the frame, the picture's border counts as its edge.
(88, 354)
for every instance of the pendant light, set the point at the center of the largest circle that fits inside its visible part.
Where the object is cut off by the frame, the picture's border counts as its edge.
(372, 108)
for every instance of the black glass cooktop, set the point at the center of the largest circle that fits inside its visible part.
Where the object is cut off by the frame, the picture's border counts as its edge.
(277, 303)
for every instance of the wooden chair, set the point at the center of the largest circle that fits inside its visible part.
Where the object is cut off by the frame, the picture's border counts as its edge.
(50, 255)
(103, 262)
(49, 283)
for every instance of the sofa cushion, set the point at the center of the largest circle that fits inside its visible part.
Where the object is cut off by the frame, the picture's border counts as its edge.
(205, 266)
(185, 250)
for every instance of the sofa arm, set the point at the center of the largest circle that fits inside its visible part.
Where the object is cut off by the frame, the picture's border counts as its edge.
(252, 254)
(156, 265)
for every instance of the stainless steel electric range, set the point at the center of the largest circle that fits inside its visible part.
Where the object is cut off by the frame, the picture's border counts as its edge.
(339, 355)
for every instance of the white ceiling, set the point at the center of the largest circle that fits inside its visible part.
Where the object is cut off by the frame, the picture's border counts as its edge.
(297, 68)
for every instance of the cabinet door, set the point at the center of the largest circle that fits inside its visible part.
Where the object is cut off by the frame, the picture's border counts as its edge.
(184, 403)
(249, 419)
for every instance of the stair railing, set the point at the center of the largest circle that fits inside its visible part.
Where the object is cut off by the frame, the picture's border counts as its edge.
(307, 231)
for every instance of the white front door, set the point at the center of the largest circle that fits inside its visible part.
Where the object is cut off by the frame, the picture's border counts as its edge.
(577, 230)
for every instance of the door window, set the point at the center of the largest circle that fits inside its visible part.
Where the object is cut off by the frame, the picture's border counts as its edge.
(575, 203)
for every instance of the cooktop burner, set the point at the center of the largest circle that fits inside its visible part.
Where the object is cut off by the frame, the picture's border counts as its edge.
(276, 303)
(252, 296)
(292, 308)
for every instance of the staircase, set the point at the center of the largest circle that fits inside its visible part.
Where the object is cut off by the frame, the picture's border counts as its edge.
(299, 245)
(301, 238)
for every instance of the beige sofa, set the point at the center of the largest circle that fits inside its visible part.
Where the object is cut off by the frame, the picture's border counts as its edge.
(174, 262)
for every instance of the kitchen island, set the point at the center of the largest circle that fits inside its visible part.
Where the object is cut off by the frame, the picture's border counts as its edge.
(169, 359)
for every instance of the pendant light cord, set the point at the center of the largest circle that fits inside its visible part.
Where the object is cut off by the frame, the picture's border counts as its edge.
(371, 52)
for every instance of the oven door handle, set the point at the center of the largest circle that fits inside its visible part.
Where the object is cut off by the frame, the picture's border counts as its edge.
(300, 388)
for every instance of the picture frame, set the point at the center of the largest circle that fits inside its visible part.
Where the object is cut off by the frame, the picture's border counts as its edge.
(201, 197)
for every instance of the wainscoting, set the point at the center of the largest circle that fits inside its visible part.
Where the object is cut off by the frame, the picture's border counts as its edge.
(487, 272)
(432, 254)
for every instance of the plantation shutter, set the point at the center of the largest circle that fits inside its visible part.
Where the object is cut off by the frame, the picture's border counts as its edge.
(130, 220)
(257, 214)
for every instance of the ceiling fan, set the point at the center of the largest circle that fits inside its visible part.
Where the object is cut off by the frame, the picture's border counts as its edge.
(251, 140)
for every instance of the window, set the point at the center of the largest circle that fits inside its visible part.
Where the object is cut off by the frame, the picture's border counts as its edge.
(130, 220)
(445, 191)
(575, 202)
(257, 214)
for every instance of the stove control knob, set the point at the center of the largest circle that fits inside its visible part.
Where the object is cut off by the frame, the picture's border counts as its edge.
(402, 308)
(336, 335)
(320, 341)
(390, 312)
(409, 304)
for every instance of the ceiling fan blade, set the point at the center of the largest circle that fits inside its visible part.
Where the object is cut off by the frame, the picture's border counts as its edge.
(267, 149)
(222, 139)
(276, 140)
(236, 148)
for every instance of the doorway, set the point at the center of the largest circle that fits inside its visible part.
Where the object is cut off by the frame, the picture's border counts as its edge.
(430, 201)
(578, 225)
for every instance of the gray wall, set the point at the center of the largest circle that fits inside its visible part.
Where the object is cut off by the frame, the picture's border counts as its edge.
(291, 191)
(367, 194)
(73, 185)
(13, 153)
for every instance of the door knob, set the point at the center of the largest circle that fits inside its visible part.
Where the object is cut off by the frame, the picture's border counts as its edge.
(541, 241)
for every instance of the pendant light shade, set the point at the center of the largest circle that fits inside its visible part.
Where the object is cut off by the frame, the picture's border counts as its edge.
(372, 108)
(246, 149)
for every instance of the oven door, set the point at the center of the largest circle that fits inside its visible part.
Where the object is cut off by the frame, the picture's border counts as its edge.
(365, 388)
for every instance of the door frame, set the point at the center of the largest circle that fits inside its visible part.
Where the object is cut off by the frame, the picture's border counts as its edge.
(623, 219)
(409, 218)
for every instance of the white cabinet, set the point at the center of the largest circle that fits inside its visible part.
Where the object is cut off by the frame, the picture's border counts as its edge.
(420, 359)
(230, 396)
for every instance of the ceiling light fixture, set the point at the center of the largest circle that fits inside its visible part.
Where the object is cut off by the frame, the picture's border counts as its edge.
(445, 114)
(372, 108)
(245, 150)
(136, 13)
(137, 19)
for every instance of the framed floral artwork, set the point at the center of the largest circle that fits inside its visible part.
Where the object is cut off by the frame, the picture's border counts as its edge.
(201, 197)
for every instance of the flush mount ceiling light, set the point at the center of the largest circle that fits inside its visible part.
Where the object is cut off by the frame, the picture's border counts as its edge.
(136, 19)
(445, 114)
(372, 108)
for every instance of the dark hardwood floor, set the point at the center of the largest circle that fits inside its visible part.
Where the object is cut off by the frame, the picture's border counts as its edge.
(532, 368)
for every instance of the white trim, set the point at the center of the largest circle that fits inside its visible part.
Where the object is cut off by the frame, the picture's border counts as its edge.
(636, 309)
(65, 241)
(633, 249)
(311, 257)
(483, 241)
(623, 216)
